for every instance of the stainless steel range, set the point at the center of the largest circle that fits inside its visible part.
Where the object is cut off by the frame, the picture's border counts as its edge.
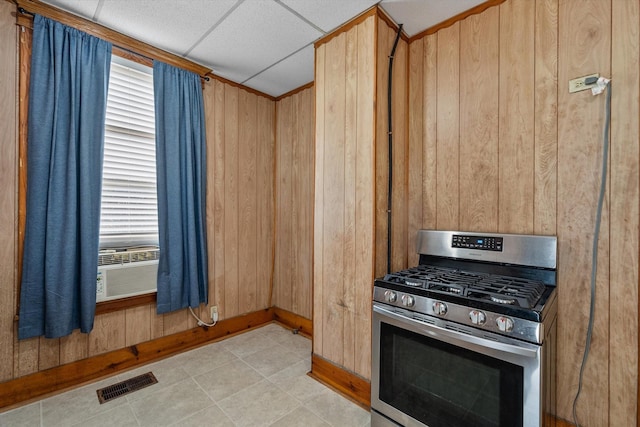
(467, 337)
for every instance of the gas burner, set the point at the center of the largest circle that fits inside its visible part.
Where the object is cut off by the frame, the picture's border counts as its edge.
(510, 301)
(413, 283)
(449, 288)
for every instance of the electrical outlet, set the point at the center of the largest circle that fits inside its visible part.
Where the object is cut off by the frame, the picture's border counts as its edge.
(214, 313)
(576, 85)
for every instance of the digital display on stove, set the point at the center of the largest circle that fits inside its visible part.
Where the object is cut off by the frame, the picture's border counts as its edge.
(476, 242)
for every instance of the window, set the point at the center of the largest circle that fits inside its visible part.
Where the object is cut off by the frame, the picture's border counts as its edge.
(129, 212)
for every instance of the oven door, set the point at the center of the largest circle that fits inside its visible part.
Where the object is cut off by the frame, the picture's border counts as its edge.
(437, 375)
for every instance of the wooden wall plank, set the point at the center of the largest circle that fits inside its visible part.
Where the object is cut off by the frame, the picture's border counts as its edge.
(231, 165)
(108, 333)
(383, 48)
(625, 201)
(305, 171)
(546, 117)
(265, 176)
(217, 221)
(294, 208)
(247, 220)
(399, 101)
(584, 47)
(415, 166)
(516, 193)
(284, 274)
(318, 213)
(430, 132)
(333, 217)
(365, 197)
(209, 98)
(479, 53)
(48, 353)
(448, 128)
(349, 212)
(8, 174)
(138, 325)
(74, 347)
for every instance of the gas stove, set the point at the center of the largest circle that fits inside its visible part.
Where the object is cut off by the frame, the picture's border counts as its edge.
(498, 283)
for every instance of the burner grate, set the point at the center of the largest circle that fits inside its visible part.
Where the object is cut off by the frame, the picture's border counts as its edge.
(499, 289)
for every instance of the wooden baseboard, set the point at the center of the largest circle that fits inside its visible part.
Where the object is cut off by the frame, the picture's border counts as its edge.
(82, 371)
(291, 320)
(347, 383)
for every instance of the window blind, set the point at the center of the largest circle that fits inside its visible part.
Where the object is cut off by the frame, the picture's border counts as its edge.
(129, 212)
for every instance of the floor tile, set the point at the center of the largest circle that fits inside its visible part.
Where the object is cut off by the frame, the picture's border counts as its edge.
(337, 410)
(25, 416)
(120, 416)
(300, 417)
(228, 379)
(295, 381)
(76, 405)
(210, 417)
(167, 372)
(204, 359)
(248, 343)
(272, 359)
(171, 404)
(258, 405)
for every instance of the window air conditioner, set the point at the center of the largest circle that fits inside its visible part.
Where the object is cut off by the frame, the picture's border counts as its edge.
(127, 273)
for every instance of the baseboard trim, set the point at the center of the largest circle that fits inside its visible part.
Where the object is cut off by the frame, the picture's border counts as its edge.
(291, 320)
(59, 378)
(347, 383)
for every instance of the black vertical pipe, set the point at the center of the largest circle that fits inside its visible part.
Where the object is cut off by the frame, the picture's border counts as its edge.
(389, 117)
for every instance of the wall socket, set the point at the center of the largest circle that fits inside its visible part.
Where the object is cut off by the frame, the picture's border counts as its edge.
(576, 85)
(214, 313)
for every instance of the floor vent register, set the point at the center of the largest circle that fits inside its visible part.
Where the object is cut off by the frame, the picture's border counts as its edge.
(111, 392)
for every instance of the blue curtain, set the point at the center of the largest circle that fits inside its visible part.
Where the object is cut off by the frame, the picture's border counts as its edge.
(67, 102)
(181, 169)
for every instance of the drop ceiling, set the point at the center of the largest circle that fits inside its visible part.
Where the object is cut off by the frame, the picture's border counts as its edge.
(266, 45)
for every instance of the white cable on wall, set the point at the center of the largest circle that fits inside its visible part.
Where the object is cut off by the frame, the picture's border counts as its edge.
(601, 84)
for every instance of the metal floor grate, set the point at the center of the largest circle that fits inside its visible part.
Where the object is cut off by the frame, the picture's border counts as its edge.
(125, 387)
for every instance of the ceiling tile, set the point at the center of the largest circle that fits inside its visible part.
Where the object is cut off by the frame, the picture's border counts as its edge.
(291, 73)
(418, 15)
(172, 25)
(84, 8)
(329, 14)
(254, 36)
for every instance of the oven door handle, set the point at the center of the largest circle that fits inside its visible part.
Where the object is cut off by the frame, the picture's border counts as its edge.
(453, 336)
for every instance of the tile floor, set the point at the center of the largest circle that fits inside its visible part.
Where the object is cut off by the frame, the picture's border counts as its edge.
(254, 379)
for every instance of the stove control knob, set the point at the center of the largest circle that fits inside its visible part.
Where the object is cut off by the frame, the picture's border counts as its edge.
(390, 296)
(440, 308)
(505, 324)
(408, 301)
(477, 317)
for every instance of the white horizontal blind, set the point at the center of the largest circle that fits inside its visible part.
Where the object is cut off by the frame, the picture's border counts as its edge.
(129, 213)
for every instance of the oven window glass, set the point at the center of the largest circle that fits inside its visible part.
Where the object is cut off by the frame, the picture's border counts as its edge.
(442, 385)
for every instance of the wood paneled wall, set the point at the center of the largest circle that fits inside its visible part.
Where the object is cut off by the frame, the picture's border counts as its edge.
(240, 156)
(240, 151)
(344, 218)
(295, 148)
(502, 146)
(351, 186)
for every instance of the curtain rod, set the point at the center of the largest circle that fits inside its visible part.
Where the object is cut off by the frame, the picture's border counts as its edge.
(26, 12)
